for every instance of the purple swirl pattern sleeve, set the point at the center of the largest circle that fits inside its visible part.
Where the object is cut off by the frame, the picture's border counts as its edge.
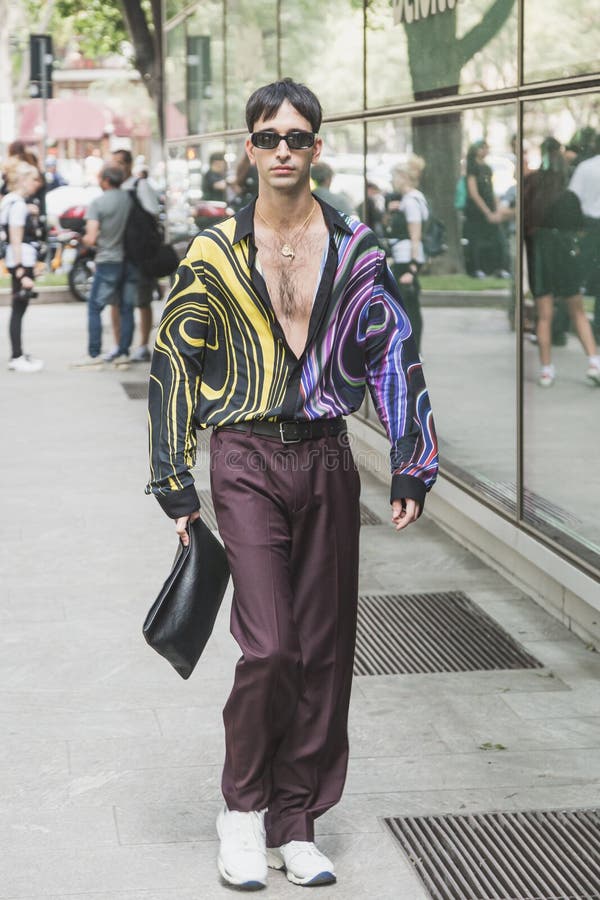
(397, 386)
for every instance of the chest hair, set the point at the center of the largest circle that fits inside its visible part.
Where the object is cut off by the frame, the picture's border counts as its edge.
(292, 283)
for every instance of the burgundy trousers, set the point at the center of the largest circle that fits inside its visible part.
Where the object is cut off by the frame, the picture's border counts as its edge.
(289, 517)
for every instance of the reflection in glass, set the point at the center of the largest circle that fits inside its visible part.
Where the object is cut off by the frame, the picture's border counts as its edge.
(464, 325)
(440, 49)
(561, 210)
(251, 52)
(484, 239)
(339, 177)
(560, 39)
(205, 88)
(405, 217)
(243, 183)
(175, 108)
(315, 35)
(198, 193)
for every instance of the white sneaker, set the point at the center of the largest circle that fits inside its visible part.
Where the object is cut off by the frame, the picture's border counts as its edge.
(88, 362)
(25, 364)
(303, 863)
(547, 376)
(141, 354)
(120, 360)
(242, 859)
(593, 373)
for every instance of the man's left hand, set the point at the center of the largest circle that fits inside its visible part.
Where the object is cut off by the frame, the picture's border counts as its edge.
(405, 512)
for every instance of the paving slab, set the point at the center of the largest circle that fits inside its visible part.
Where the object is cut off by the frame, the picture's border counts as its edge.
(110, 764)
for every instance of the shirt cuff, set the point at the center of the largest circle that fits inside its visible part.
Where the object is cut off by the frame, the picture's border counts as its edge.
(179, 503)
(407, 487)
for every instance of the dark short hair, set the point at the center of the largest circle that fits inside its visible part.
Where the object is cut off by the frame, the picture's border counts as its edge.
(216, 157)
(264, 102)
(113, 175)
(125, 156)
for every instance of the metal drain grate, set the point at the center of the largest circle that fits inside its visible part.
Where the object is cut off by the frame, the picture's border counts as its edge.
(505, 856)
(367, 516)
(439, 632)
(136, 390)
(207, 509)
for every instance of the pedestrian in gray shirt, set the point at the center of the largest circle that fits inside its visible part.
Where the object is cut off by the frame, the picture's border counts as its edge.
(115, 280)
(146, 284)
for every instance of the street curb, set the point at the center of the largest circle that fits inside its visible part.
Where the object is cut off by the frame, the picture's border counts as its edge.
(487, 298)
(47, 294)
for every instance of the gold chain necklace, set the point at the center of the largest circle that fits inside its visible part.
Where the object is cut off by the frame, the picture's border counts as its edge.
(286, 248)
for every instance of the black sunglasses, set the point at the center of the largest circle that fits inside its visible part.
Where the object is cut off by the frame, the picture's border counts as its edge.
(296, 140)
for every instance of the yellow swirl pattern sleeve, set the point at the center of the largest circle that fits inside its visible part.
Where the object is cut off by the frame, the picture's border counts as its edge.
(175, 380)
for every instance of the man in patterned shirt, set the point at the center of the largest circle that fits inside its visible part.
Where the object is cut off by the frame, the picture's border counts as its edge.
(277, 321)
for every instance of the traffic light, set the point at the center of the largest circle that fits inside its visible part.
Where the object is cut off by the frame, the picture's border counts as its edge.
(40, 65)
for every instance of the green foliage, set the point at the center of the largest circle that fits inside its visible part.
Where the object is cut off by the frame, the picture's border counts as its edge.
(97, 24)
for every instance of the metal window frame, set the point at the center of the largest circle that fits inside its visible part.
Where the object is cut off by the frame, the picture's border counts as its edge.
(521, 93)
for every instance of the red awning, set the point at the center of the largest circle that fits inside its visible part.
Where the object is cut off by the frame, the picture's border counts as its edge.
(68, 117)
(125, 126)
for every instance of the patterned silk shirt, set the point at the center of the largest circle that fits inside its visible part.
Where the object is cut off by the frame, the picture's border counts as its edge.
(221, 356)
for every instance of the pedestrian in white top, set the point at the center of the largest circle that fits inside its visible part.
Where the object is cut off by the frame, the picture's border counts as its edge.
(21, 257)
(406, 212)
(586, 184)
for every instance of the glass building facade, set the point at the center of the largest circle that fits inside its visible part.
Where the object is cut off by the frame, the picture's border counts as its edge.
(491, 109)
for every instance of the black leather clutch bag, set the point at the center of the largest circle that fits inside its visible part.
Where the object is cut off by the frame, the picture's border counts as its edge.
(181, 618)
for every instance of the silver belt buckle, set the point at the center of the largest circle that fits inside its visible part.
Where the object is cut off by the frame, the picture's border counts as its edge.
(284, 439)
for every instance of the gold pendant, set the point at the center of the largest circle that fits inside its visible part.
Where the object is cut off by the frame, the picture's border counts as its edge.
(286, 250)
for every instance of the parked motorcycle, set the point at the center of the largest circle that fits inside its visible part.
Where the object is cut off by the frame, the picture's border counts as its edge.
(70, 255)
(81, 273)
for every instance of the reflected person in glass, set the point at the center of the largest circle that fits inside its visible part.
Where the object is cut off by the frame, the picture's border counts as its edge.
(553, 221)
(586, 184)
(486, 251)
(406, 211)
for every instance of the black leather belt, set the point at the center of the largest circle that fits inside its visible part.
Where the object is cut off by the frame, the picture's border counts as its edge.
(290, 432)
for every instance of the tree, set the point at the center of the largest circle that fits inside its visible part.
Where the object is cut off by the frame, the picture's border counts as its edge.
(101, 28)
(103, 25)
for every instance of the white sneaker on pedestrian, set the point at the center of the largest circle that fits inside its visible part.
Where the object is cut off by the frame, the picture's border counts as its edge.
(593, 373)
(88, 362)
(303, 863)
(141, 354)
(25, 364)
(547, 376)
(242, 859)
(119, 360)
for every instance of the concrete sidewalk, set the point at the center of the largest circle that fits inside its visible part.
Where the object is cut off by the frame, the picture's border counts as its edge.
(111, 764)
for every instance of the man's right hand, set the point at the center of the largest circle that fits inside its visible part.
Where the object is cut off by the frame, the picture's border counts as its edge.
(181, 525)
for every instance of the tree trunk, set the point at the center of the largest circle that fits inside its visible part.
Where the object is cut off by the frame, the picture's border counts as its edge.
(438, 138)
(147, 47)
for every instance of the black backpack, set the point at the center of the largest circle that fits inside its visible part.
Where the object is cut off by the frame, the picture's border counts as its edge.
(434, 237)
(143, 241)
